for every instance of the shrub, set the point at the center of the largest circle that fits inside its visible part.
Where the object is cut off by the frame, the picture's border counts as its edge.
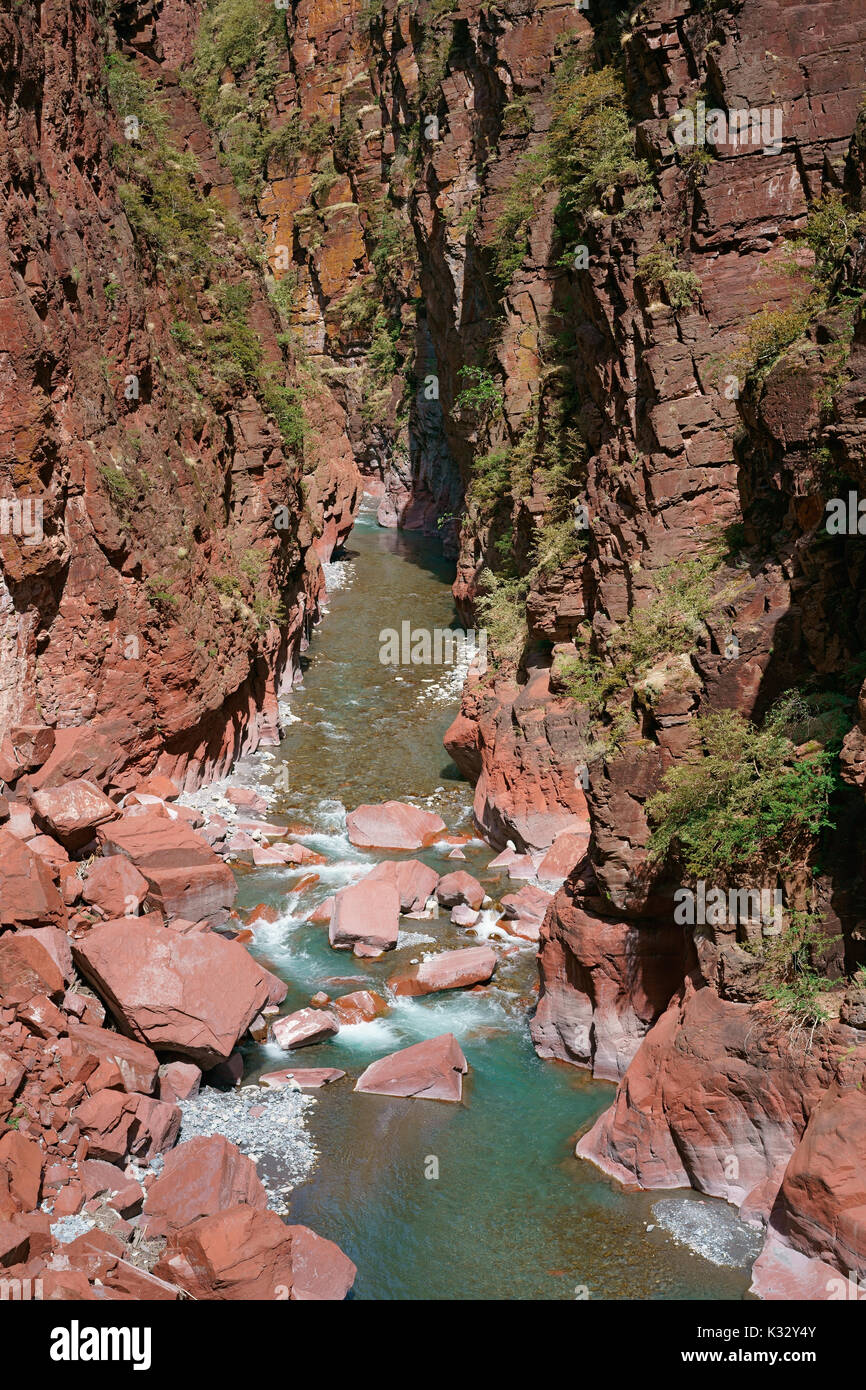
(591, 144)
(788, 976)
(659, 271)
(769, 334)
(121, 491)
(510, 240)
(491, 478)
(285, 404)
(667, 626)
(483, 396)
(501, 611)
(747, 801)
(829, 228)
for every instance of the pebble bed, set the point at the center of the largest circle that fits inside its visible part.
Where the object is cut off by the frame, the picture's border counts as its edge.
(269, 1126)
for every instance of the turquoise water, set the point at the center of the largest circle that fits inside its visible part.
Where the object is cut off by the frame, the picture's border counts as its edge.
(484, 1200)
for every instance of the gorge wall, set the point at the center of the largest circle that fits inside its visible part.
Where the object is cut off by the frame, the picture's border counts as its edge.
(458, 253)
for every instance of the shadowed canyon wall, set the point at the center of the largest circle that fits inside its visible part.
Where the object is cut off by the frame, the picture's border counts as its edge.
(461, 253)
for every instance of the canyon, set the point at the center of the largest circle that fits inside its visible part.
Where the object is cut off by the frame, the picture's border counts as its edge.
(264, 266)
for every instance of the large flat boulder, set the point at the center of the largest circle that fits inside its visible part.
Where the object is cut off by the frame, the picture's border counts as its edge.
(73, 811)
(472, 965)
(192, 994)
(415, 881)
(304, 1028)
(245, 1254)
(29, 896)
(186, 878)
(304, 1078)
(393, 825)
(433, 1070)
(365, 917)
(203, 1176)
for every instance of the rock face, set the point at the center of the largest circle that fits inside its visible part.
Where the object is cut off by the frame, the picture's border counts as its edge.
(714, 1079)
(604, 983)
(366, 917)
(472, 965)
(139, 502)
(821, 1207)
(432, 1070)
(521, 746)
(393, 825)
(195, 995)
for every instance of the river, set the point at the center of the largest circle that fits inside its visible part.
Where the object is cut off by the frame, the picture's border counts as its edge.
(505, 1211)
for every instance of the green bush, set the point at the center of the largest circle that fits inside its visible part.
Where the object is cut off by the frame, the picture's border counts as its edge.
(788, 976)
(501, 607)
(590, 142)
(121, 491)
(666, 626)
(770, 333)
(660, 272)
(483, 395)
(829, 227)
(747, 802)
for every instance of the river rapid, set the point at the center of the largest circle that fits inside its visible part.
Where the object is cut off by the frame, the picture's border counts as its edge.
(483, 1200)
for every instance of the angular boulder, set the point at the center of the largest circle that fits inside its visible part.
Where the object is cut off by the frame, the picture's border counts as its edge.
(525, 911)
(73, 812)
(566, 851)
(460, 888)
(366, 917)
(393, 825)
(116, 886)
(27, 969)
(247, 1254)
(431, 1070)
(199, 1178)
(194, 994)
(29, 896)
(186, 878)
(304, 1028)
(136, 1064)
(471, 965)
(415, 881)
